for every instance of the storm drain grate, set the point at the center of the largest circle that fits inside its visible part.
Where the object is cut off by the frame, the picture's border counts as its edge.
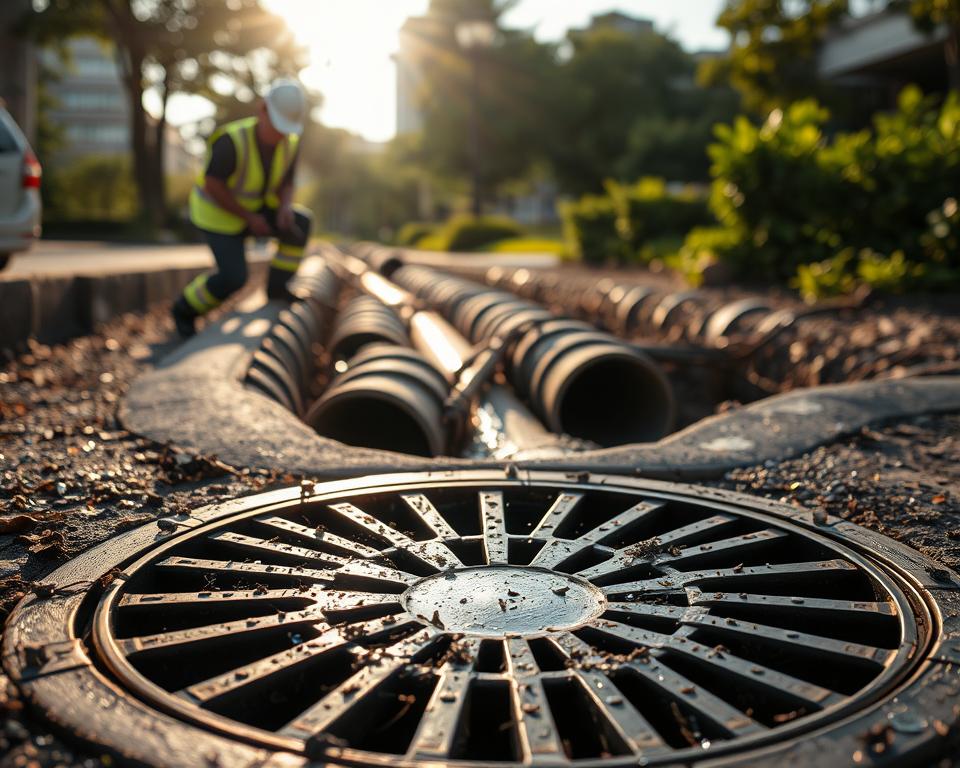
(474, 618)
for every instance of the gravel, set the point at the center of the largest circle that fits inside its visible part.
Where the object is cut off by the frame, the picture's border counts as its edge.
(71, 477)
(902, 480)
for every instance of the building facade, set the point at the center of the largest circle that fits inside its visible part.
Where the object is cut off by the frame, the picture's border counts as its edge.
(89, 102)
(881, 53)
(409, 64)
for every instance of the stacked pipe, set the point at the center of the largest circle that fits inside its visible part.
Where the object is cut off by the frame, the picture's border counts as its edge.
(284, 365)
(364, 320)
(633, 310)
(395, 398)
(578, 380)
(388, 397)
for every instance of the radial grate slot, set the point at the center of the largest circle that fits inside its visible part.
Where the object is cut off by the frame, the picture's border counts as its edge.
(271, 702)
(180, 666)
(840, 666)
(386, 719)
(169, 612)
(525, 509)
(491, 657)
(664, 619)
(587, 512)
(526, 621)
(678, 724)
(521, 551)
(487, 729)
(584, 729)
(849, 620)
(764, 704)
(548, 656)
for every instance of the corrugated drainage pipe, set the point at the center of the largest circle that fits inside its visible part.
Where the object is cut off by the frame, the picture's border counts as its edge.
(389, 398)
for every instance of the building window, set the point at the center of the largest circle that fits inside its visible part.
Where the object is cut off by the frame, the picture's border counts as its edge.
(95, 67)
(107, 135)
(92, 100)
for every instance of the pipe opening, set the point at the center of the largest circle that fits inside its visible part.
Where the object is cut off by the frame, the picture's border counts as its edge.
(373, 422)
(613, 402)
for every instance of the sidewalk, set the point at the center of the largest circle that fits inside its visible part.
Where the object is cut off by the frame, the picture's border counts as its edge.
(58, 258)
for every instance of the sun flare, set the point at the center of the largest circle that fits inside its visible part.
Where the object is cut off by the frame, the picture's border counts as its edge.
(350, 44)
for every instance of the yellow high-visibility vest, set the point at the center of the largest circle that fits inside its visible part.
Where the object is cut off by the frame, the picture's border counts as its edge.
(246, 181)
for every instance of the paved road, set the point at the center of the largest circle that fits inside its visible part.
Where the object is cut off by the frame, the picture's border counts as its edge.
(60, 258)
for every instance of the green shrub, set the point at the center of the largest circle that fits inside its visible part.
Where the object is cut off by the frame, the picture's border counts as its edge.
(590, 230)
(623, 225)
(412, 232)
(647, 212)
(96, 188)
(830, 277)
(828, 214)
(468, 233)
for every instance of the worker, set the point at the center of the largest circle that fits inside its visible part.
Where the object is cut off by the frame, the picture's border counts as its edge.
(246, 189)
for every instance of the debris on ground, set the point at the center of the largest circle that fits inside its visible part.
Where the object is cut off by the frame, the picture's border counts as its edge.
(902, 480)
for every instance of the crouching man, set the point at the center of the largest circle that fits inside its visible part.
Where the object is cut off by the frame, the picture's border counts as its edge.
(246, 190)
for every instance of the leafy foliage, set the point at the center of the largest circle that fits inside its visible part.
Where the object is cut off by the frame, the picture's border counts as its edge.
(877, 205)
(632, 108)
(469, 233)
(509, 87)
(774, 44)
(606, 104)
(413, 231)
(590, 229)
(214, 48)
(95, 188)
(631, 221)
(363, 195)
(929, 14)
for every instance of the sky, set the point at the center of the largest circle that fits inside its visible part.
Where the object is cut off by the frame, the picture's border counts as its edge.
(351, 43)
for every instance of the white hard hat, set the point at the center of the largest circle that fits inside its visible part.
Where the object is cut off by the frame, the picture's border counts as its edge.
(287, 105)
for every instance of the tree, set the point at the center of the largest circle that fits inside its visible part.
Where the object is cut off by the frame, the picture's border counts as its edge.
(509, 88)
(361, 194)
(206, 47)
(632, 108)
(772, 59)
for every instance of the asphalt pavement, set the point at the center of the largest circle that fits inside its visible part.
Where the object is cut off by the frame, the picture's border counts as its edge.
(63, 257)
(60, 258)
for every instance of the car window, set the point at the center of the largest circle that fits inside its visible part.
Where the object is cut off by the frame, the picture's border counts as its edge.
(7, 141)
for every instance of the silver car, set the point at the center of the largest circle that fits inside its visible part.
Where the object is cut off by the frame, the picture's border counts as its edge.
(20, 206)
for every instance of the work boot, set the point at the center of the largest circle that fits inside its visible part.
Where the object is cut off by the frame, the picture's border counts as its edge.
(277, 281)
(184, 317)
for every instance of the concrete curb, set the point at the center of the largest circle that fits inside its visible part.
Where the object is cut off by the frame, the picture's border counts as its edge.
(196, 400)
(54, 309)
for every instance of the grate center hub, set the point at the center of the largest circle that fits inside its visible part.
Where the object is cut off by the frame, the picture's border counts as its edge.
(496, 601)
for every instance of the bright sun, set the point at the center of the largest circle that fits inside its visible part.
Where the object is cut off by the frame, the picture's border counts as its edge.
(350, 44)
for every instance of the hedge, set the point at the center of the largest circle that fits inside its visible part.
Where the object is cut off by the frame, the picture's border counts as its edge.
(622, 225)
(877, 206)
(411, 232)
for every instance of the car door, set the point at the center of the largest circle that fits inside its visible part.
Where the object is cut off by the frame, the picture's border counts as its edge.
(11, 167)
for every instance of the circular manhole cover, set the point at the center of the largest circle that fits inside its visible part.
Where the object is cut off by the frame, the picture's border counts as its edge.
(475, 618)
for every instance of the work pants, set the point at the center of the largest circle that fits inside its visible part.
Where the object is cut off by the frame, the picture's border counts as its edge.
(208, 291)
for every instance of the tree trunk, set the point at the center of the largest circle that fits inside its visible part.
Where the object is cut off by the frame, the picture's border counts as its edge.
(131, 56)
(143, 165)
(159, 152)
(952, 52)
